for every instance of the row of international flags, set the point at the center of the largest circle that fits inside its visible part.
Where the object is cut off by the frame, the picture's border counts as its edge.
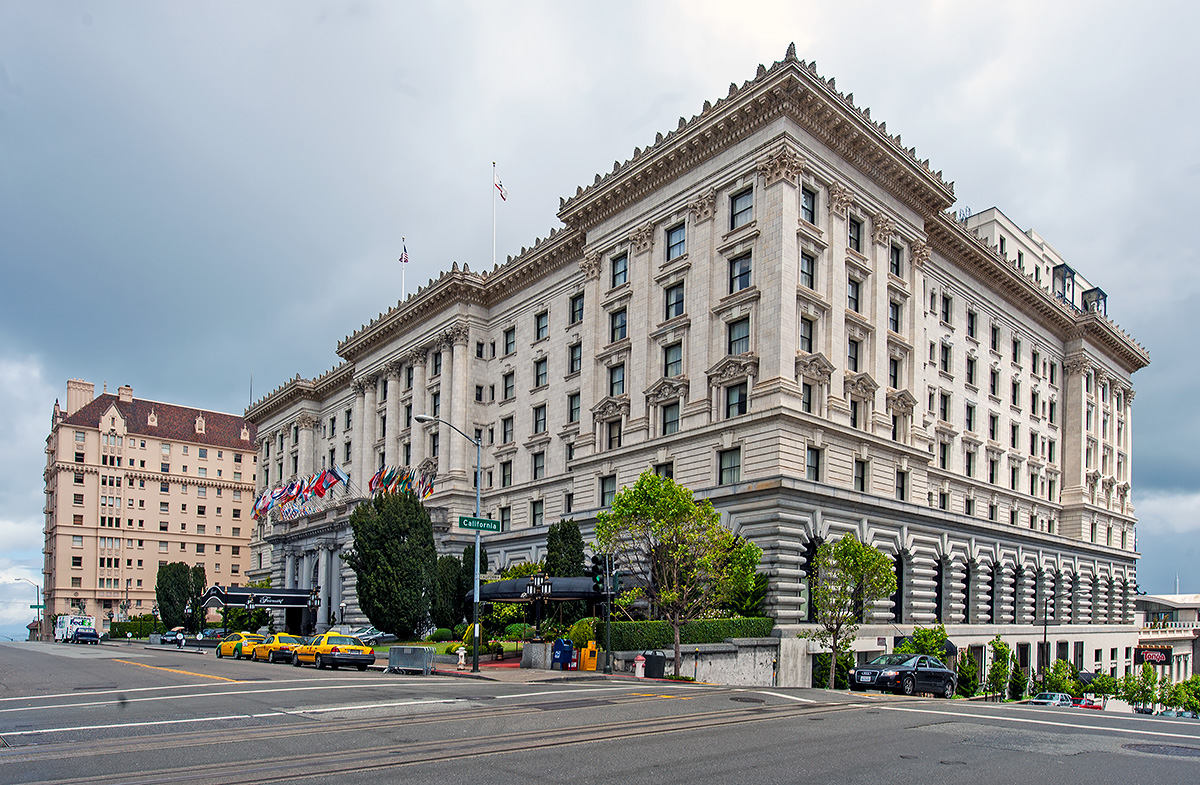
(300, 489)
(394, 479)
(295, 500)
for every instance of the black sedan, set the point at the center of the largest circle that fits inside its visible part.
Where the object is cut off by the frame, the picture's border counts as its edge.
(906, 674)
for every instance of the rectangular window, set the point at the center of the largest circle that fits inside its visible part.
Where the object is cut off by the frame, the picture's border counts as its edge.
(506, 430)
(808, 330)
(947, 312)
(670, 418)
(730, 466)
(608, 490)
(1015, 434)
(673, 360)
(614, 434)
(969, 464)
(574, 358)
(539, 419)
(620, 270)
(855, 409)
(739, 273)
(541, 325)
(736, 400)
(994, 383)
(1016, 393)
(813, 464)
(945, 362)
(995, 338)
(676, 242)
(894, 316)
(894, 373)
(1016, 352)
(944, 407)
(508, 384)
(943, 455)
(577, 308)
(540, 373)
(673, 295)
(808, 205)
(902, 486)
(505, 519)
(616, 380)
(853, 352)
(808, 270)
(537, 512)
(739, 336)
(573, 407)
(435, 404)
(437, 364)
(970, 417)
(741, 208)
(806, 397)
(860, 475)
(896, 261)
(972, 319)
(971, 371)
(854, 229)
(505, 474)
(853, 295)
(538, 466)
(616, 326)
(510, 340)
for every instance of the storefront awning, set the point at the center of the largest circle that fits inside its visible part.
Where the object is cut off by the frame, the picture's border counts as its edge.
(238, 596)
(517, 590)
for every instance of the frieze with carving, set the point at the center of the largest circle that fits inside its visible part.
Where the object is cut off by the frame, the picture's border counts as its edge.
(1076, 365)
(730, 368)
(429, 466)
(860, 385)
(610, 409)
(704, 207)
(306, 421)
(901, 402)
(784, 164)
(667, 389)
(814, 366)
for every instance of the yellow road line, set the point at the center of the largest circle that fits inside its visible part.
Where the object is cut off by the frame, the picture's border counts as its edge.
(659, 695)
(174, 670)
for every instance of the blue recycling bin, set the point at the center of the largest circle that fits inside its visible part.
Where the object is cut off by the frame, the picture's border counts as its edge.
(560, 654)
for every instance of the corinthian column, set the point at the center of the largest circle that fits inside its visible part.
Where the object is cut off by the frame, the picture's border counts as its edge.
(460, 380)
(391, 443)
(420, 444)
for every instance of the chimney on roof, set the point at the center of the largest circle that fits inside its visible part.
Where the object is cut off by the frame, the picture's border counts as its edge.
(79, 395)
(199, 423)
(125, 394)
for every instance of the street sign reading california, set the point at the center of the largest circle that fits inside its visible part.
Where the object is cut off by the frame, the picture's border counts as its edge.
(483, 524)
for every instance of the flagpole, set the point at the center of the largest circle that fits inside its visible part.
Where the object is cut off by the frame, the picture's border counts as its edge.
(403, 276)
(494, 189)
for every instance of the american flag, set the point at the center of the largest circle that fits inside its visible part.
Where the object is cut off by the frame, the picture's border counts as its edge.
(404, 255)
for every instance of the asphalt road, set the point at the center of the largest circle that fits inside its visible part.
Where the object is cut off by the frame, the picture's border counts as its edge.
(124, 714)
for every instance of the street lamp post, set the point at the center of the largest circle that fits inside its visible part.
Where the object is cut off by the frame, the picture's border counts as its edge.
(342, 606)
(154, 613)
(37, 592)
(424, 418)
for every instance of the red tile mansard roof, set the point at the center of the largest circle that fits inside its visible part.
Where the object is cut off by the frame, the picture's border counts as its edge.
(176, 423)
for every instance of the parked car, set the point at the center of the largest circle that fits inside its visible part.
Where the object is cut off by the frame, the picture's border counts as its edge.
(1182, 714)
(1087, 703)
(85, 635)
(372, 636)
(334, 649)
(275, 648)
(906, 674)
(237, 644)
(1050, 699)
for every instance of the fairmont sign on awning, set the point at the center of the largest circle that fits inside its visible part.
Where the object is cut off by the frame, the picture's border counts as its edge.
(238, 596)
(1152, 655)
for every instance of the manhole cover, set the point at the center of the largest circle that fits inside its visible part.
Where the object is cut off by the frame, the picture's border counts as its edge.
(746, 699)
(1165, 749)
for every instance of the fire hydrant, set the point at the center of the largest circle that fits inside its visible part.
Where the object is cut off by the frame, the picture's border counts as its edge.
(462, 658)
(639, 667)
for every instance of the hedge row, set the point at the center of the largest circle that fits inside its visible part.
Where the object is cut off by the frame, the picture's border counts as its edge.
(638, 635)
(141, 628)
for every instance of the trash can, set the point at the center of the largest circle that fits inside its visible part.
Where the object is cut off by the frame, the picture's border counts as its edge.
(656, 664)
(588, 657)
(560, 654)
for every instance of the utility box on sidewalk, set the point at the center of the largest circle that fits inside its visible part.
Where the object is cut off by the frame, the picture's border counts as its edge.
(588, 657)
(560, 657)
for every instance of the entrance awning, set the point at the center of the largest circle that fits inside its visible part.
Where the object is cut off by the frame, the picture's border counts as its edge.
(238, 596)
(517, 590)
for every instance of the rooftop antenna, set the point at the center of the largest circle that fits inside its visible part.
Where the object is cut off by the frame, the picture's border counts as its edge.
(252, 388)
(1176, 583)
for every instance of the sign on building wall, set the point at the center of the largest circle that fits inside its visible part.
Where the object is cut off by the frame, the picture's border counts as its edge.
(1152, 655)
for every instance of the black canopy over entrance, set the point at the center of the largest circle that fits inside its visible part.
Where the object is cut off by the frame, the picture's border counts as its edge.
(238, 596)
(517, 590)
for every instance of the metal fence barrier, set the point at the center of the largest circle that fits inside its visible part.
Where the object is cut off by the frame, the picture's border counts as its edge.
(410, 658)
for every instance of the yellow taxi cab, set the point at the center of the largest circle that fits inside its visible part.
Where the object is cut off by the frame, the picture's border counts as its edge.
(334, 649)
(237, 644)
(275, 648)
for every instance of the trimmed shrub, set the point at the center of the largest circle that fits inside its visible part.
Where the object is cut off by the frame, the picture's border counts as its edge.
(441, 635)
(639, 635)
(460, 629)
(968, 675)
(841, 678)
(518, 632)
(582, 632)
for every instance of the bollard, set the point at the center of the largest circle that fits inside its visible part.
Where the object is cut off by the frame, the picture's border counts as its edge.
(639, 667)
(695, 663)
(462, 658)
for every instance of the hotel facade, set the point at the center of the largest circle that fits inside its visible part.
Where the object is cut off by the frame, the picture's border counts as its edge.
(132, 485)
(776, 305)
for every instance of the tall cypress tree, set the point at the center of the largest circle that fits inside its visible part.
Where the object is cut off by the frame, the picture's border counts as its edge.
(172, 588)
(448, 600)
(564, 550)
(395, 562)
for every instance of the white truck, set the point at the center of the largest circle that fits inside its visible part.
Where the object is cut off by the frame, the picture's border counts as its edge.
(65, 627)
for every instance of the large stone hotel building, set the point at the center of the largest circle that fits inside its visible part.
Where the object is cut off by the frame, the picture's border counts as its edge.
(133, 484)
(776, 305)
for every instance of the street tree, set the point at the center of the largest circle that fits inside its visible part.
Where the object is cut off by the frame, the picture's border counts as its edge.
(930, 641)
(395, 562)
(564, 549)
(997, 676)
(196, 587)
(847, 577)
(172, 589)
(447, 609)
(681, 562)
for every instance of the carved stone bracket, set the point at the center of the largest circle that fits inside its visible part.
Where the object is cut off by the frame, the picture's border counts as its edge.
(1077, 364)
(901, 402)
(704, 207)
(611, 408)
(590, 265)
(359, 386)
(734, 367)
(394, 369)
(815, 367)
(883, 229)
(306, 420)
(840, 199)
(642, 238)
(456, 334)
(920, 254)
(429, 466)
(667, 389)
(784, 164)
(417, 356)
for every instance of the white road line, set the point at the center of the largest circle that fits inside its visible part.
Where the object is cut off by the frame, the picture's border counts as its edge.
(1029, 721)
(781, 695)
(134, 724)
(564, 692)
(225, 685)
(362, 706)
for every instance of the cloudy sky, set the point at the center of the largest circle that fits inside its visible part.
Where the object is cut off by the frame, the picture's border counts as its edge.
(195, 193)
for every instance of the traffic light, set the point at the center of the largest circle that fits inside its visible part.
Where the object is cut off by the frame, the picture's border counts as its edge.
(598, 583)
(597, 566)
(616, 583)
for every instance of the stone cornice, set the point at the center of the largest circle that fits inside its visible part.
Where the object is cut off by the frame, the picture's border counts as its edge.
(792, 89)
(954, 241)
(298, 389)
